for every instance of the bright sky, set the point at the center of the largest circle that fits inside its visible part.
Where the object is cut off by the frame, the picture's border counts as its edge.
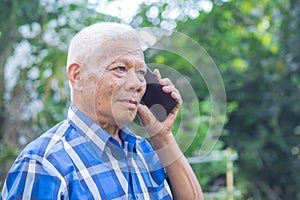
(124, 9)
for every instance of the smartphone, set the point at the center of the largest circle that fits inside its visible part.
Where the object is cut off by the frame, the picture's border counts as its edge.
(160, 103)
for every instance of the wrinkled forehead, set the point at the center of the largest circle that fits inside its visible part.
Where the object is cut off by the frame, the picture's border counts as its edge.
(121, 47)
(113, 49)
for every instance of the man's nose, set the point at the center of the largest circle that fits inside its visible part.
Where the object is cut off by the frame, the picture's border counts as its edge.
(134, 81)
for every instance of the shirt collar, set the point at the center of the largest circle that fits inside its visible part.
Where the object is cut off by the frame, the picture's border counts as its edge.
(93, 131)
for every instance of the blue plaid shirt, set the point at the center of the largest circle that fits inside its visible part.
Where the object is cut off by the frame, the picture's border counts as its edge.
(77, 159)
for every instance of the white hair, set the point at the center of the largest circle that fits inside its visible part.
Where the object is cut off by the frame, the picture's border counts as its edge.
(85, 42)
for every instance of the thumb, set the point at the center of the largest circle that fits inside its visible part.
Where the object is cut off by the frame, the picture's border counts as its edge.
(148, 121)
(144, 114)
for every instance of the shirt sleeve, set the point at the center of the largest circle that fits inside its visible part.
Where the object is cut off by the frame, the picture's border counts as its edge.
(30, 179)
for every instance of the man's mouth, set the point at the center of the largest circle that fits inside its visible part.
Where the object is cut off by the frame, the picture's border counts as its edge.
(131, 103)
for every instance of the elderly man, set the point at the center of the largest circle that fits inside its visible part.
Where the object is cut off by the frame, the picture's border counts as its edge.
(91, 154)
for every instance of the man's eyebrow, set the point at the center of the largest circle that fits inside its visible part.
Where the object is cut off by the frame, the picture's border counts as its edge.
(139, 63)
(116, 61)
(142, 65)
(121, 59)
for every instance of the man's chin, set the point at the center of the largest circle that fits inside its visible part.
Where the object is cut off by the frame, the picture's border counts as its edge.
(124, 119)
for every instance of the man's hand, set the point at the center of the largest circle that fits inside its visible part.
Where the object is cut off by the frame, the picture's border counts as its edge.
(160, 131)
(183, 181)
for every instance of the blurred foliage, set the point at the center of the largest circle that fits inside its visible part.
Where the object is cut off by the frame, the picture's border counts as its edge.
(255, 44)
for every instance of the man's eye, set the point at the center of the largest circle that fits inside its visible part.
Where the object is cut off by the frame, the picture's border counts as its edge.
(121, 69)
(142, 72)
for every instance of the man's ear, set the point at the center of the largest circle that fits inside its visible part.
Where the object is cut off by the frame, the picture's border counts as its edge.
(74, 74)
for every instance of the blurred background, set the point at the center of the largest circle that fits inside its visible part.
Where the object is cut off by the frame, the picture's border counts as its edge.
(255, 45)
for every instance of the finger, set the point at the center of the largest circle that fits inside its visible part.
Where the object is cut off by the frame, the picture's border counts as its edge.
(157, 73)
(177, 96)
(166, 81)
(148, 121)
(169, 89)
(144, 114)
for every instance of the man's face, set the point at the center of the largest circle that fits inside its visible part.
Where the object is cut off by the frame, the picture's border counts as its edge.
(121, 85)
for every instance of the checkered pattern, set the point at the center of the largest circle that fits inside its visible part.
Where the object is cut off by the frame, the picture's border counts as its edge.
(77, 159)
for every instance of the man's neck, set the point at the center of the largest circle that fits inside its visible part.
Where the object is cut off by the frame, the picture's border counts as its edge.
(113, 130)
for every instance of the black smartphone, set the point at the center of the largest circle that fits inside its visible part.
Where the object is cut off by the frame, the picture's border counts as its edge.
(159, 102)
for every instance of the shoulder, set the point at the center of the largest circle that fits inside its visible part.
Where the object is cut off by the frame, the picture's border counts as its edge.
(44, 143)
(46, 150)
(43, 167)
